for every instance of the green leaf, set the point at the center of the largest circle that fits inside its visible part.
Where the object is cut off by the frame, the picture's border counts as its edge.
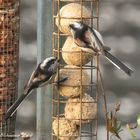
(120, 130)
(138, 120)
(132, 133)
(119, 125)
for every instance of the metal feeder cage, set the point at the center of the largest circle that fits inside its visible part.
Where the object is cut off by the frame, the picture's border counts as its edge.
(9, 54)
(90, 128)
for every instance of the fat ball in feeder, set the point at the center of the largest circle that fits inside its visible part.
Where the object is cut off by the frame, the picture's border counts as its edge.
(72, 86)
(86, 113)
(71, 13)
(72, 54)
(68, 130)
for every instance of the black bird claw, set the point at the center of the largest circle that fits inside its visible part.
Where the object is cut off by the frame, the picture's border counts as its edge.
(61, 81)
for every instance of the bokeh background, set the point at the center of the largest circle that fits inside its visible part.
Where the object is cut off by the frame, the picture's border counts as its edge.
(120, 26)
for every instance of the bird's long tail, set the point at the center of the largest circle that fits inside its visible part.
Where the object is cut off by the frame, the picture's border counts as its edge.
(17, 103)
(118, 63)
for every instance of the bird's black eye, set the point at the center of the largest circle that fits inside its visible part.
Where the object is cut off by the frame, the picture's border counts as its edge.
(53, 61)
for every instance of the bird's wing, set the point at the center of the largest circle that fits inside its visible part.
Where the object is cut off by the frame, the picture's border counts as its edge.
(40, 77)
(99, 40)
(99, 36)
(91, 40)
(46, 80)
(31, 78)
(33, 75)
(27, 86)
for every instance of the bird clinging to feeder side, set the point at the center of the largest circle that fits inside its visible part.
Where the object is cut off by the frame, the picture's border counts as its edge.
(42, 75)
(91, 40)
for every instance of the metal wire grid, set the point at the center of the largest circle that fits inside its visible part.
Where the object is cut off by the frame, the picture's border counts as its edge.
(9, 48)
(90, 129)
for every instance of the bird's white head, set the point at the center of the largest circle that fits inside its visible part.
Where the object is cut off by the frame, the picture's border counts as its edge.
(75, 26)
(50, 64)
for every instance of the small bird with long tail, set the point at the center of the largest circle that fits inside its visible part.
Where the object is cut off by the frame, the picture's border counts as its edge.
(42, 75)
(90, 40)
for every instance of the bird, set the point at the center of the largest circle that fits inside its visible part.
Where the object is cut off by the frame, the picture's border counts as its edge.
(42, 75)
(90, 40)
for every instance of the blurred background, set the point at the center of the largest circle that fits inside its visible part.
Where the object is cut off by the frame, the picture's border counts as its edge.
(120, 26)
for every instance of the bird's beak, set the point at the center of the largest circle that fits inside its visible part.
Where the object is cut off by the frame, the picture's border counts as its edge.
(70, 26)
(57, 60)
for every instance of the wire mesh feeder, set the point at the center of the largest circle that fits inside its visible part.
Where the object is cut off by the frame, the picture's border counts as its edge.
(75, 101)
(9, 45)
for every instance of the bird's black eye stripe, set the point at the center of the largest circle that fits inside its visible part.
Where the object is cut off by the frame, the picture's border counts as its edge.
(50, 63)
(53, 61)
(80, 33)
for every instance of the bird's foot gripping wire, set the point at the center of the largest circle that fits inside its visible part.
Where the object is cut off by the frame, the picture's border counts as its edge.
(60, 81)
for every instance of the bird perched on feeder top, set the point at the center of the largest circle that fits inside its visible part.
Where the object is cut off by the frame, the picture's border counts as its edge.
(42, 75)
(90, 40)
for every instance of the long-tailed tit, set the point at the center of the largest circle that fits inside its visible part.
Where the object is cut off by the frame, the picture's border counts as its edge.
(90, 40)
(42, 75)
